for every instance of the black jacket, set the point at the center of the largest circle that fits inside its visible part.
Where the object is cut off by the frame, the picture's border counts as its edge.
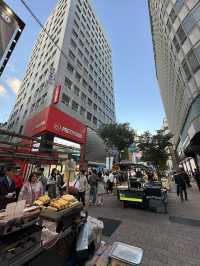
(179, 180)
(4, 190)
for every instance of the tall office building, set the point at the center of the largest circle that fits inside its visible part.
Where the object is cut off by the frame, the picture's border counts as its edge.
(64, 90)
(175, 26)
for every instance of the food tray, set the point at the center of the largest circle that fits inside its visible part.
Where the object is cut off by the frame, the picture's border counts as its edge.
(58, 215)
(11, 226)
(127, 254)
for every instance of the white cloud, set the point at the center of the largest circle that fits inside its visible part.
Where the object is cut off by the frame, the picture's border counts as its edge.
(3, 91)
(14, 84)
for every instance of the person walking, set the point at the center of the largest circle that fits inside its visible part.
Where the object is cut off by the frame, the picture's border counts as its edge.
(42, 178)
(60, 183)
(100, 189)
(186, 178)
(181, 184)
(32, 189)
(106, 181)
(18, 183)
(93, 182)
(52, 184)
(111, 182)
(83, 184)
(197, 178)
(7, 185)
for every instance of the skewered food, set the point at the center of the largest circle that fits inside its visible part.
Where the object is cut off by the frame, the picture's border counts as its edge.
(69, 198)
(59, 204)
(45, 199)
(38, 203)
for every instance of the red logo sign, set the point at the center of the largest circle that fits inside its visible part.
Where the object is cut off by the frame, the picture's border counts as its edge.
(60, 124)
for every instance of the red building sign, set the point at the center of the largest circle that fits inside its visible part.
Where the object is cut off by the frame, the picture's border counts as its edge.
(52, 120)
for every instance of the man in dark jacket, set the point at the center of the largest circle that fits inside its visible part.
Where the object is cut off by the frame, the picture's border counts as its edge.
(7, 186)
(93, 182)
(181, 185)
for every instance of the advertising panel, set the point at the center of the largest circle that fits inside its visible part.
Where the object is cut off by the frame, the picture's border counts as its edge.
(11, 27)
(54, 121)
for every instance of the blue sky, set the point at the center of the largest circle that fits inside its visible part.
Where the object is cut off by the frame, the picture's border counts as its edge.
(126, 23)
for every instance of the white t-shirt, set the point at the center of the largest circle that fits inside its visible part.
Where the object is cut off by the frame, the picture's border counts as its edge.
(111, 177)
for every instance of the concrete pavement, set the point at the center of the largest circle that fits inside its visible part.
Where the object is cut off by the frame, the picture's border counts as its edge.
(164, 242)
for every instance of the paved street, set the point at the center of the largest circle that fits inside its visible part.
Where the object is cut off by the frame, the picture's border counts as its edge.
(164, 242)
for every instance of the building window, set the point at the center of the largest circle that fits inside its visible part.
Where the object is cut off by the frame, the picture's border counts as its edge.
(71, 55)
(78, 8)
(76, 24)
(91, 68)
(68, 83)
(21, 129)
(94, 120)
(87, 51)
(89, 102)
(181, 34)
(83, 97)
(191, 19)
(73, 44)
(169, 26)
(78, 77)
(65, 99)
(81, 43)
(84, 84)
(176, 44)
(186, 70)
(95, 95)
(85, 72)
(99, 99)
(194, 64)
(79, 64)
(95, 107)
(25, 113)
(197, 52)
(70, 68)
(90, 78)
(74, 106)
(76, 91)
(90, 90)
(89, 116)
(86, 62)
(178, 5)
(75, 34)
(80, 53)
(82, 111)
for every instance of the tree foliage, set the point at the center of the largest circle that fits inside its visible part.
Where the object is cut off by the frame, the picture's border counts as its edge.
(154, 149)
(118, 135)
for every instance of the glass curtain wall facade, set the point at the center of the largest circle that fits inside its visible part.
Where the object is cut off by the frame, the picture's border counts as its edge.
(175, 26)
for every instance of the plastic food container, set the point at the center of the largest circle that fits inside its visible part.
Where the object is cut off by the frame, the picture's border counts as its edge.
(122, 254)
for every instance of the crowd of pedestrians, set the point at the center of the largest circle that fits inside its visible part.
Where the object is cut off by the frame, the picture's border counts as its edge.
(13, 187)
(97, 184)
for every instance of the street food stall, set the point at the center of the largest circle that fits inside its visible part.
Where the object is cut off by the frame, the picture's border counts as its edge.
(23, 232)
(138, 192)
(147, 196)
(31, 235)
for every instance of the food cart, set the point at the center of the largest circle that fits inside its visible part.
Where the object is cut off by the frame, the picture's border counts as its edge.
(137, 192)
(41, 233)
